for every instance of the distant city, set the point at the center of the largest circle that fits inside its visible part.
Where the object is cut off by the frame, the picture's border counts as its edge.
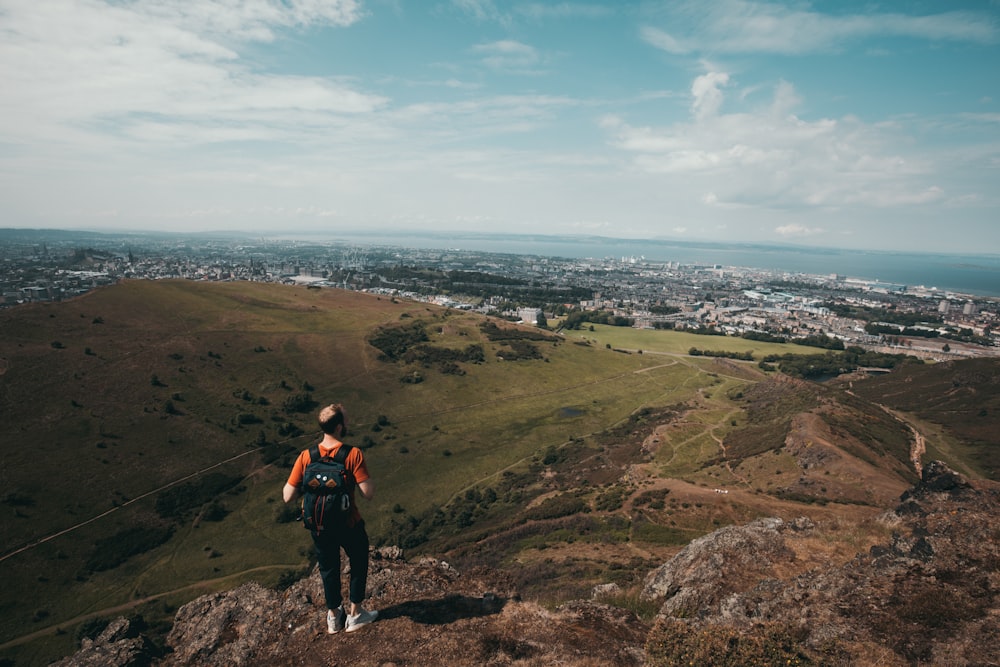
(47, 266)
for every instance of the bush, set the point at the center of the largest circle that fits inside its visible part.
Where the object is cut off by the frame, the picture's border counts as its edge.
(110, 552)
(566, 504)
(518, 349)
(412, 378)
(174, 503)
(394, 342)
(673, 642)
(302, 402)
(215, 511)
(288, 513)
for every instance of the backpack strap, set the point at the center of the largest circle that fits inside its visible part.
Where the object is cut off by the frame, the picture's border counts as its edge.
(342, 453)
(340, 457)
(313, 456)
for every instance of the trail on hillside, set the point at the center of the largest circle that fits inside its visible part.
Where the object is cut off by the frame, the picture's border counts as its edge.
(919, 446)
(123, 505)
(725, 452)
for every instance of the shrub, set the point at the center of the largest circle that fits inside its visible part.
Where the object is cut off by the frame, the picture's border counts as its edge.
(412, 378)
(174, 503)
(393, 342)
(566, 504)
(673, 642)
(612, 499)
(215, 511)
(110, 552)
(302, 402)
(288, 514)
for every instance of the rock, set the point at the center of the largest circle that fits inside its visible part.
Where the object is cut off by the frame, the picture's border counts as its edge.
(938, 477)
(711, 568)
(119, 645)
(232, 628)
(602, 591)
(931, 595)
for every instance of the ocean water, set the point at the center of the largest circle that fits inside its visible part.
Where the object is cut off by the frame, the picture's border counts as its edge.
(967, 274)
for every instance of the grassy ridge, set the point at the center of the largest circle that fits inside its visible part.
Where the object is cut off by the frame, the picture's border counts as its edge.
(960, 397)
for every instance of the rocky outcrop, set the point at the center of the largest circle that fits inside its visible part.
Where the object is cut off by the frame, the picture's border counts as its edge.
(700, 580)
(120, 645)
(429, 614)
(931, 595)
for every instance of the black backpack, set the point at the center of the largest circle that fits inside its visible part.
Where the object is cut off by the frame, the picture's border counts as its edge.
(326, 491)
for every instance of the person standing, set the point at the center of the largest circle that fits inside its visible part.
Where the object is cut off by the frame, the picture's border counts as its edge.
(351, 537)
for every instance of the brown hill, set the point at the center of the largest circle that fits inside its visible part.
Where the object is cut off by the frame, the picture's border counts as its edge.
(747, 595)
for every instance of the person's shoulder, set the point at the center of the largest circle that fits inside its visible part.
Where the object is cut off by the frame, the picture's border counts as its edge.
(355, 454)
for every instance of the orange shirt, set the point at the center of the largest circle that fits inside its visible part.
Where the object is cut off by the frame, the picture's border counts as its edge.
(355, 464)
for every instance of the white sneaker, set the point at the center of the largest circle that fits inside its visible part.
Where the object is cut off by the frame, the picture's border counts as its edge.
(359, 621)
(335, 620)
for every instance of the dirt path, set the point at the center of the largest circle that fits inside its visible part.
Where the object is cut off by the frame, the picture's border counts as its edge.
(116, 508)
(725, 453)
(919, 446)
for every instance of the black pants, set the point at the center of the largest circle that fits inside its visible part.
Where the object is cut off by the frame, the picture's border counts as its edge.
(354, 542)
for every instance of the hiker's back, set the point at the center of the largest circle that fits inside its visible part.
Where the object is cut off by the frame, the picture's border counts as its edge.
(326, 490)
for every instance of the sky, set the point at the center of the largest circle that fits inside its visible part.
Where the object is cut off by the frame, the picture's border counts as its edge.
(870, 125)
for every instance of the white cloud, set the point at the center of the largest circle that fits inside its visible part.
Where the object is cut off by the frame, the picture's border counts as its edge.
(769, 159)
(798, 231)
(79, 71)
(663, 40)
(562, 10)
(707, 94)
(249, 19)
(507, 55)
(482, 10)
(747, 26)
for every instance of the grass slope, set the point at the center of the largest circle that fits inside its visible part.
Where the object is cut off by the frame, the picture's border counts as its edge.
(958, 402)
(130, 389)
(585, 459)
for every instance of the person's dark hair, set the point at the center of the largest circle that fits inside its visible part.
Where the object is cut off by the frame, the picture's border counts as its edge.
(331, 417)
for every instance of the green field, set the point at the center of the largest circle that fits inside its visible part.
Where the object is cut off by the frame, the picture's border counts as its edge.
(140, 386)
(678, 342)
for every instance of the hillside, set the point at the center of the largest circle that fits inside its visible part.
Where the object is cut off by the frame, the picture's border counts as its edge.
(174, 409)
(757, 594)
(959, 398)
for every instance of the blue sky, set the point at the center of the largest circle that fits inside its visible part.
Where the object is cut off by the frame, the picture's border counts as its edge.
(870, 124)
